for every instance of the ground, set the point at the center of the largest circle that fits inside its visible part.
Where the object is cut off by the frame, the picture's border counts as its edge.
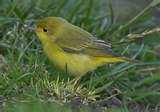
(30, 82)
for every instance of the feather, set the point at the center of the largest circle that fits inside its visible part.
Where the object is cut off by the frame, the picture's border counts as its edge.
(82, 42)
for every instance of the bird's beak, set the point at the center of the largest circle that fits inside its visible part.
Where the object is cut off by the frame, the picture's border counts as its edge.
(38, 29)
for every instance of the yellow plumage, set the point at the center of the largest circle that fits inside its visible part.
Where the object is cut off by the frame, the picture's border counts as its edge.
(70, 47)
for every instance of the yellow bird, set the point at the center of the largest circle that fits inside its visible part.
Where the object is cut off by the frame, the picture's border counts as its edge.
(72, 48)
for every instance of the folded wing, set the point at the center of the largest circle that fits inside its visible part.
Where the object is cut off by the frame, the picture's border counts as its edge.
(80, 41)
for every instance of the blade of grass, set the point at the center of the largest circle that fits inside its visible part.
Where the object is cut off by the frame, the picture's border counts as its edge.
(23, 52)
(148, 81)
(132, 21)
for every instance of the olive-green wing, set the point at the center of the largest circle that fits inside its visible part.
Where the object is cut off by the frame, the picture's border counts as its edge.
(76, 40)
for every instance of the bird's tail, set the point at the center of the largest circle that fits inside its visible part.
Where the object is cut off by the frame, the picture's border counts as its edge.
(117, 59)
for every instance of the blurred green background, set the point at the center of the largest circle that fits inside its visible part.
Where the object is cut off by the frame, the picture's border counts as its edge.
(29, 82)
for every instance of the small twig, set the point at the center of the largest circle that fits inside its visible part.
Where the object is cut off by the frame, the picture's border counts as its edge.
(143, 34)
(134, 37)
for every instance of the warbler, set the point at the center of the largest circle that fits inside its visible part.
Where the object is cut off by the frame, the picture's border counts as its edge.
(72, 48)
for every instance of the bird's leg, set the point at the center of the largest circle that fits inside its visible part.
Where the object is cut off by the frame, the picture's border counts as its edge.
(66, 69)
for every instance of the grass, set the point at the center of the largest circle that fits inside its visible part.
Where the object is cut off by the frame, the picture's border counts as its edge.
(29, 82)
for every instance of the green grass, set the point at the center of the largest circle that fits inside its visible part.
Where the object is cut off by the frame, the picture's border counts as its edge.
(29, 82)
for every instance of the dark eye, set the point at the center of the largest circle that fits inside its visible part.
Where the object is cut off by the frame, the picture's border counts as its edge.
(45, 30)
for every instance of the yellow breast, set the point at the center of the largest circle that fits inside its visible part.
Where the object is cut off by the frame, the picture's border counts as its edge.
(75, 64)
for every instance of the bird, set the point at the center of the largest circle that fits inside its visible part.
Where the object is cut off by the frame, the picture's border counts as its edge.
(72, 48)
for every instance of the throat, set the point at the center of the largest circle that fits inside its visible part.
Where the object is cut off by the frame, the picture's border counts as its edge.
(51, 48)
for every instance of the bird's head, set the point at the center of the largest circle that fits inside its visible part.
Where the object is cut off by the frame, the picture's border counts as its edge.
(49, 27)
